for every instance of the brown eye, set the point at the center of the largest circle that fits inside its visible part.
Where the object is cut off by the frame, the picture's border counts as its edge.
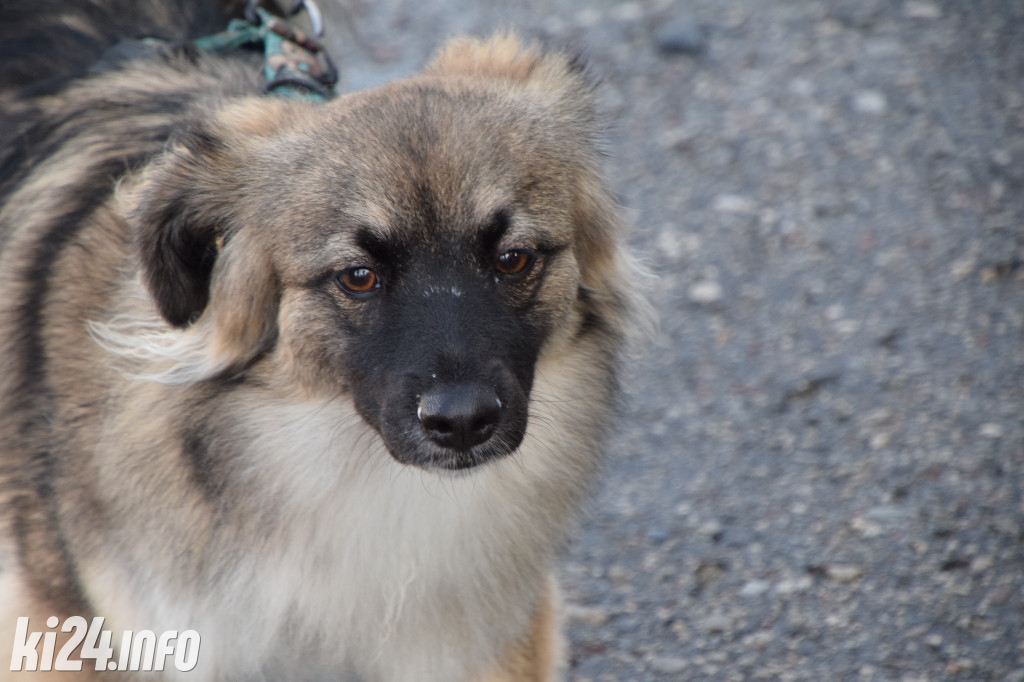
(514, 262)
(358, 280)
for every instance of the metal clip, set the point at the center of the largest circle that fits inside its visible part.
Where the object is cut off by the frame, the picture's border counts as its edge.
(316, 20)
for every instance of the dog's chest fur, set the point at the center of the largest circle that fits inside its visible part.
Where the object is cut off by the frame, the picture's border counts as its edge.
(350, 559)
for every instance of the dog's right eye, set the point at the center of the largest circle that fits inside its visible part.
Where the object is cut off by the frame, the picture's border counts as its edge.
(358, 280)
(514, 262)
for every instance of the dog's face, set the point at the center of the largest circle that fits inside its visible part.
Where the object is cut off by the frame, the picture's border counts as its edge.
(416, 247)
(435, 275)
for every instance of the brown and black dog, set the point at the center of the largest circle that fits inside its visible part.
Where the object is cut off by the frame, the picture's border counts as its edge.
(324, 383)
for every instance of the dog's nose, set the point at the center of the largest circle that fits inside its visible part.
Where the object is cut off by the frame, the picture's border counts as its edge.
(459, 416)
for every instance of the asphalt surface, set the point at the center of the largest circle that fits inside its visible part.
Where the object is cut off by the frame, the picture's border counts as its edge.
(819, 474)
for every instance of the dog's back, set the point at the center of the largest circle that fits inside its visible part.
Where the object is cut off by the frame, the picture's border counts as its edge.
(69, 130)
(43, 41)
(71, 126)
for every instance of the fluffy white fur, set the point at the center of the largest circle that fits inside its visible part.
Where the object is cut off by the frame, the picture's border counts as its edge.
(398, 573)
(169, 355)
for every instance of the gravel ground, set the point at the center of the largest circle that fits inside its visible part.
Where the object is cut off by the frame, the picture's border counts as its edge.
(819, 475)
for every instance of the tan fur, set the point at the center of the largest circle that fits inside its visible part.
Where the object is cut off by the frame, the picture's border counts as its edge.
(539, 655)
(185, 451)
(502, 56)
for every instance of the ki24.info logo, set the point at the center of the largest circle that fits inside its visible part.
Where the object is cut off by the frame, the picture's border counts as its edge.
(142, 650)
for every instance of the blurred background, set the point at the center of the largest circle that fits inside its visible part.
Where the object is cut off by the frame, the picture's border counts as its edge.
(819, 473)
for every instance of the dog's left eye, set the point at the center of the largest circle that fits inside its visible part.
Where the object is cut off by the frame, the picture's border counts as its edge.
(358, 280)
(514, 262)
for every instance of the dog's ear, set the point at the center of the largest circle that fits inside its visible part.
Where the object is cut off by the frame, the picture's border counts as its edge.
(179, 226)
(243, 305)
(504, 56)
(202, 262)
(188, 203)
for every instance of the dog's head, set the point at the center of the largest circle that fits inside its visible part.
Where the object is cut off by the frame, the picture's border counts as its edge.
(417, 246)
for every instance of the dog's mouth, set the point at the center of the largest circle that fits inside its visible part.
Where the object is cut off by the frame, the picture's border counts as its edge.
(453, 461)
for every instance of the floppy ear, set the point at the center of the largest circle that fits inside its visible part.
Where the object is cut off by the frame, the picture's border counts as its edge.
(179, 226)
(243, 305)
(203, 265)
(505, 56)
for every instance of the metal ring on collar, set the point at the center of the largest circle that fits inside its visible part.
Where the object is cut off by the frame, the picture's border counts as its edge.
(312, 10)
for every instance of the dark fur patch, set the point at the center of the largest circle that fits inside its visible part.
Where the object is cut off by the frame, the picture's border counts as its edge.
(81, 204)
(205, 460)
(195, 447)
(179, 252)
(591, 321)
(39, 48)
(61, 39)
(47, 559)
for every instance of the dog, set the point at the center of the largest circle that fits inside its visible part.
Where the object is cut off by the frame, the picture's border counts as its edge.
(314, 390)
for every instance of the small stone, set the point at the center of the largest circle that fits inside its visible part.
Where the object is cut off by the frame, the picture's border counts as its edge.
(705, 292)
(591, 615)
(657, 535)
(755, 588)
(960, 665)
(887, 514)
(759, 640)
(587, 17)
(829, 27)
(711, 528)
(837, 620)
(627, 12)
(709, 570)
(844, 573)
(668, 665)
(879, 440)
(867, 529)
(803, 87)
(917, 9)
(996, 192)
(870, 102)
(784, 588)
(1001, 158)
(991, 430)
(675, 138)
(733, 203)
(847, 327)
(963, 267)
(555, 26)
(681, 35)
(716, 623)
